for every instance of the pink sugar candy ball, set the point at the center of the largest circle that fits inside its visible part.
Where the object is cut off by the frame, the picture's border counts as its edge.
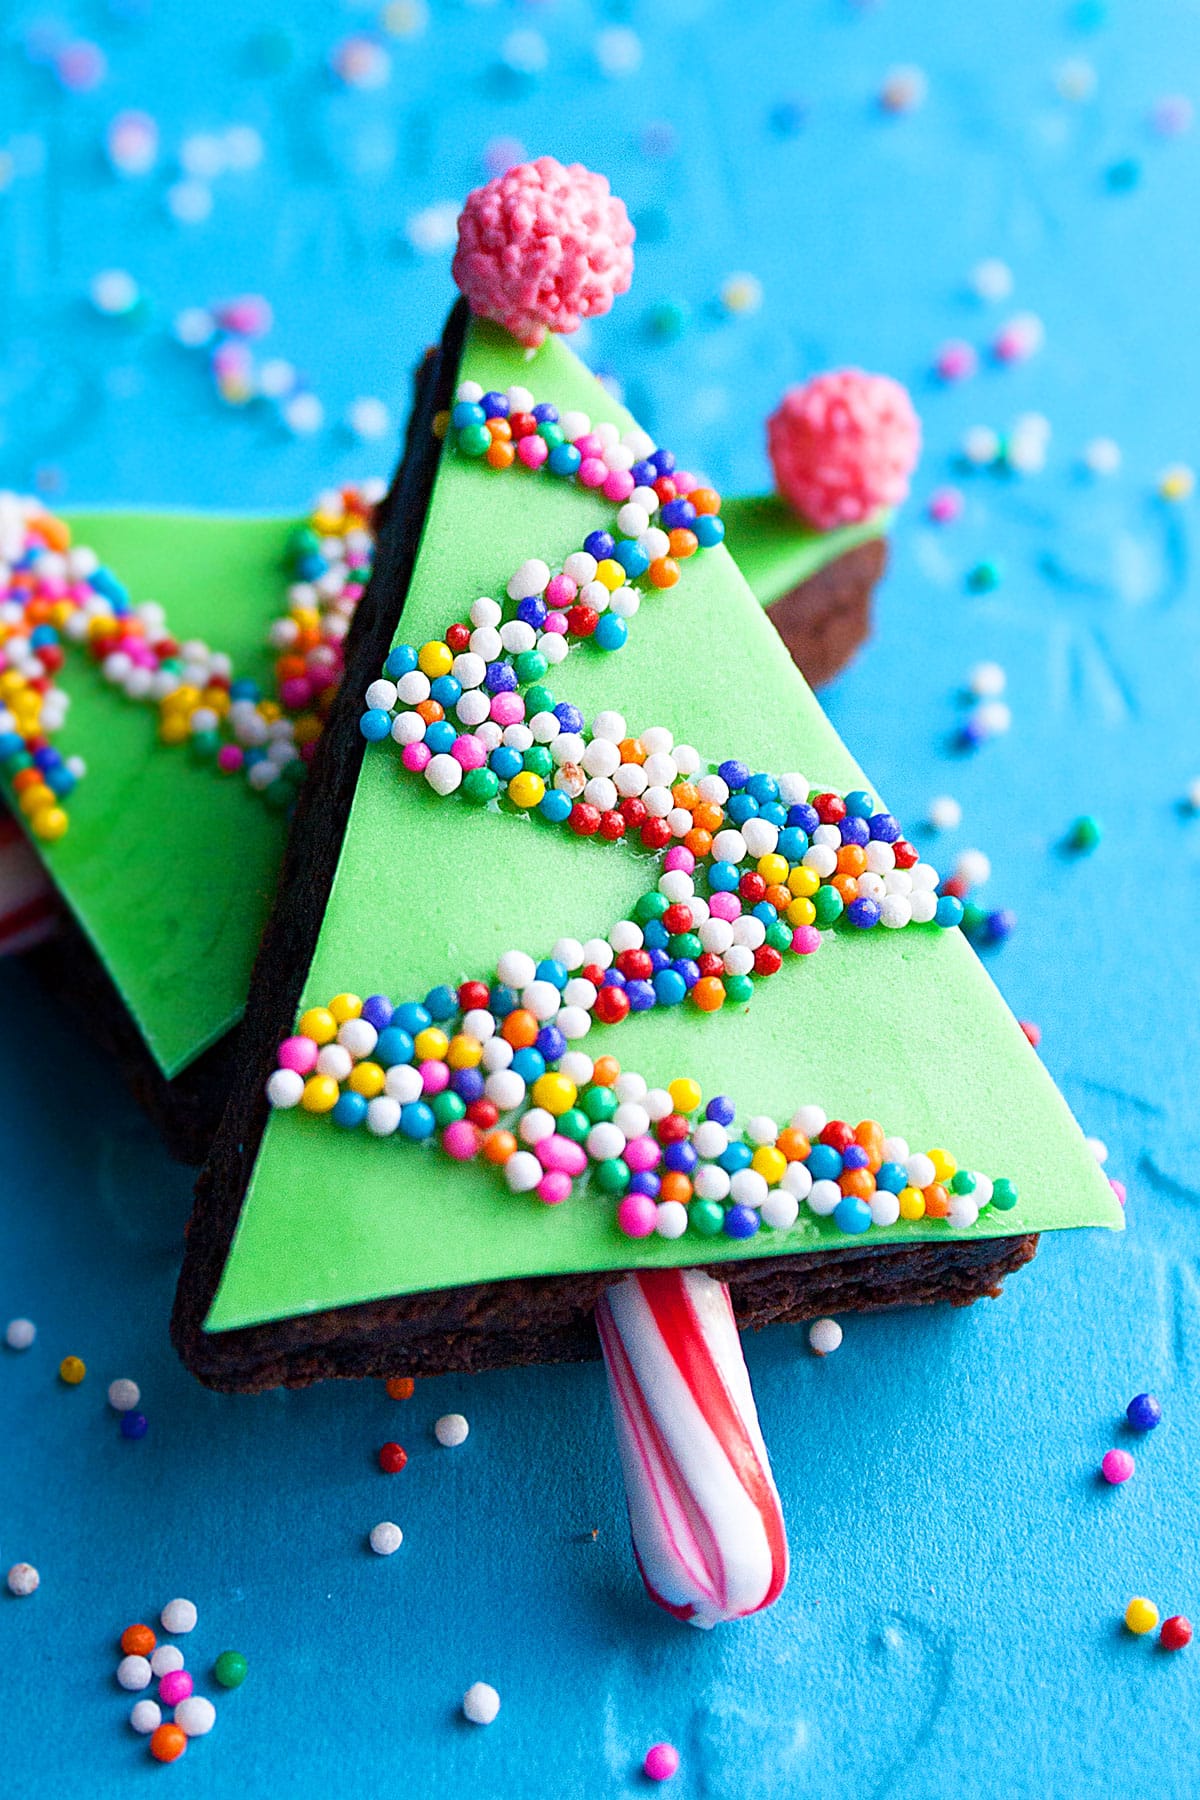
(589, 445)
(806, 939)
(561, 590)
(1117, 1467)
(1118, 1188)
(416, 757)
(679, 857)
(725, 906)
(295, 692)
(230, 758)
(684, 480)
(662, 1761)
(637, 1215)
(561, 1154)
(843, 446)
(543, 247)
(508, 709)
(554, 1187)
(174, 1687)
(435, 1075)
(642, 1153)
(557, 623)
(468, 751)
(533, 451)
(618, 485)
(298, 1053)
(460, 1140)
(592, 471)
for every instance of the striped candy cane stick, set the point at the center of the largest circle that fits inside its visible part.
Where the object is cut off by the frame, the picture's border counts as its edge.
(28, 908)
(707, 1529)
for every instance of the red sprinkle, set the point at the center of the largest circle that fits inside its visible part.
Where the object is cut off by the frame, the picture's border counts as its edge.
(392, 1458)
(1175, 1633)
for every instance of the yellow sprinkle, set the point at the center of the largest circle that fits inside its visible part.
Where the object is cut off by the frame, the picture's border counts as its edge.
(1141, 1615)
(345, 1006)
(1177, 483)
(685, 1094)
(367, 1079)
(49, 824)
(441, 424)
(319, 1024)
(72, 1370)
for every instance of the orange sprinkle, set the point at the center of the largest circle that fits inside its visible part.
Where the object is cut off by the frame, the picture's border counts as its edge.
(605, 1071)
(400, 1387)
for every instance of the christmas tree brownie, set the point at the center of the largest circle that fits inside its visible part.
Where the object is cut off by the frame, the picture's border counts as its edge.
(581, 1017)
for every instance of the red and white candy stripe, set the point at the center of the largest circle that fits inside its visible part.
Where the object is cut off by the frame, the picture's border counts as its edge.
(28, 908)
(707, 1528)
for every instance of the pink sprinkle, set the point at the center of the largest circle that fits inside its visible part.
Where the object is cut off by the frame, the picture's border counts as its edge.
(435, 1075)
(1019, 339)
(1117, 1466)
(295, 692)
(249, 316)
(592, 472)
(641, 1154)
(946, 505)
(684, 481)
(1118, 1188)
(806, 939)
(637, 1215)
(298, 1053)
(508, 709)
(308, 751)
(554, 1187)
(679, 857)
(543, 247)
(230, 758)
(468, 751)
(561, 590)
(460, 1140)
(843, 446)
(618, 486)
(416, 758)
(662, 1761)
(725, 906)
(174, 1687)
(533, 451)
(561, 1153)
(557, 623)
(589, 445)
(956, 360)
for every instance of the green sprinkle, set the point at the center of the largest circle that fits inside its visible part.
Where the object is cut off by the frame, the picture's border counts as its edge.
(1004, 1194)
(230, 1668)
(984, 577)
(481, 785)
(707, 1217)
(612, 1176)
(739, 989)
(599, 1103)
(827, 904)
(1085, 834)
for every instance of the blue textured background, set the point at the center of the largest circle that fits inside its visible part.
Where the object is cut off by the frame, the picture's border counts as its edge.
(952, 1624)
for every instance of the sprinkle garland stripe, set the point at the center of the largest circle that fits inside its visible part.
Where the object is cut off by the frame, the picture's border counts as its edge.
(754, 869)
(55, 596)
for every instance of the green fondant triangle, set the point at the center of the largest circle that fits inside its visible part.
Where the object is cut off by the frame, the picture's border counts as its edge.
(776, 551)
(170, 868)
(903, 1027)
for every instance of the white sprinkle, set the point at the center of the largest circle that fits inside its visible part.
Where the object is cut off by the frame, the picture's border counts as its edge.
(386, 1538)
(973, 867)
(368, 417)
(1102, 456)
(991, 279)
(23, 1579)
(179, 1617)
(196, 1715)
(114, 292)
(986, 680)
(1099, 1149)
(824, 1336)
(123, 1395)
(146, 1716)
(20, 1334)
(981, 445)
(303, 414)
(165, 1659)
(451, 1430)
(133, 1673)
(945, 813)
(481, 1703)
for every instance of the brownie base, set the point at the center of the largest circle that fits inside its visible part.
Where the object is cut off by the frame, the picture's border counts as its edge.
(185, 1111)
(495, 1324)
(501, 1324)
(828, 617)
